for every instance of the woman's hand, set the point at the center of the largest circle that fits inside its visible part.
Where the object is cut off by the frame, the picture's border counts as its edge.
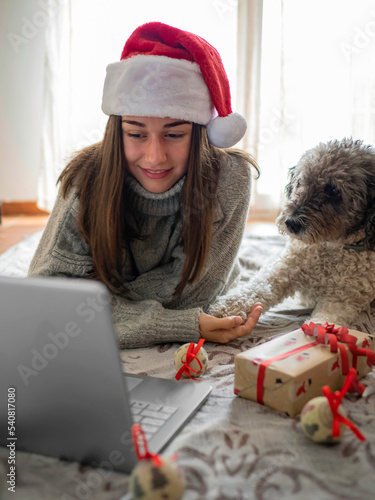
(223, 330)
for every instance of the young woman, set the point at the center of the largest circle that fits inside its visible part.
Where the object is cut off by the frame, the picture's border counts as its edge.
(157, 209)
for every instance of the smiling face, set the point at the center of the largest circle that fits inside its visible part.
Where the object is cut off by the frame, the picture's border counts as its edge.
(156, 150)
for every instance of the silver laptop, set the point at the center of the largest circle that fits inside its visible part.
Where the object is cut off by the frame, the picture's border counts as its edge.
(61, 372)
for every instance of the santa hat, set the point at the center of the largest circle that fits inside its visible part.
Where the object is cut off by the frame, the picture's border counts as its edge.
(166, 72)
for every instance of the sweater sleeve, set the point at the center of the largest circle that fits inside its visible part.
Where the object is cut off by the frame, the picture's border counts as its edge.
(147, 322)
(62, 251)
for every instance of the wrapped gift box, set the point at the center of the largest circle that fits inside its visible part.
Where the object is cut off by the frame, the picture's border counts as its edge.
(286, 372)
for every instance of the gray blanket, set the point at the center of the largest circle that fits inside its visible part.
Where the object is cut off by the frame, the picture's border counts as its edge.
(233, 449)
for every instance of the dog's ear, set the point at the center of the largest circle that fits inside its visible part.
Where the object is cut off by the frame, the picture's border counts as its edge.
(370, 215)
(370, 229)
(289, 186)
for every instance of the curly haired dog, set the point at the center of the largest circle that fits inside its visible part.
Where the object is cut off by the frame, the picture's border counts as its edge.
(329, 258)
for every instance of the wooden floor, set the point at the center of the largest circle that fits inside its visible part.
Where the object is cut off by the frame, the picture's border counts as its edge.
(15, 228)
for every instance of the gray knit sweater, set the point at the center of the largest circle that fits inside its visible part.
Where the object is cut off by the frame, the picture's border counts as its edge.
(148, 313)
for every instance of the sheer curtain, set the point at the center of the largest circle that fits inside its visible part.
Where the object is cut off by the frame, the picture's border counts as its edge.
(55, 134)
(249, 40)
(317, 83)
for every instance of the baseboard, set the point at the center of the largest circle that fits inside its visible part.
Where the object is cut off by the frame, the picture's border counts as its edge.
(21, 208)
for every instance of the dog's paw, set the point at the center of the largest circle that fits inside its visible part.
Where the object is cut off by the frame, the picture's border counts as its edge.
(229, 306)
(236, 309)
(218, 309)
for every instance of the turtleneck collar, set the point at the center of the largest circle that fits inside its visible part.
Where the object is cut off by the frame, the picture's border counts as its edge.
(159, 204)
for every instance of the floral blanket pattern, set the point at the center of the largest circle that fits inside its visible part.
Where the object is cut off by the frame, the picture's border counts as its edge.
(232, 449)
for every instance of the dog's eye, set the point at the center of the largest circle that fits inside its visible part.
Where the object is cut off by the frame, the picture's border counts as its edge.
(331, 191)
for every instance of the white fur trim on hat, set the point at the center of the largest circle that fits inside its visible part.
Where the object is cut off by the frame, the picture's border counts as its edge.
(157, 86)
(226, 131)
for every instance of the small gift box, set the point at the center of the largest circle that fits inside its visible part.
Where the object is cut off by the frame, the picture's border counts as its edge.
(286, 372)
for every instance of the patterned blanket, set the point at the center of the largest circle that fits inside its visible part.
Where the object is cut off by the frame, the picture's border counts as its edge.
(233, 449)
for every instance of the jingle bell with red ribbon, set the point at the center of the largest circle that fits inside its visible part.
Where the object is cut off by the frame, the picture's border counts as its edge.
(154, 477)
(190, 360)
(323, 419)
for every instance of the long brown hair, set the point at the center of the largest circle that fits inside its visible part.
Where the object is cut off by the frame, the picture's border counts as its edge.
(98, 174)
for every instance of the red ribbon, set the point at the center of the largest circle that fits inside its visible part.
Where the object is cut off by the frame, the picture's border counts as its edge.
(137, 432)
(190, 355)
(337, 338)
(335, 399)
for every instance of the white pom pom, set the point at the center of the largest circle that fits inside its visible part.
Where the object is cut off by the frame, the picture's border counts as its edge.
(226, 131)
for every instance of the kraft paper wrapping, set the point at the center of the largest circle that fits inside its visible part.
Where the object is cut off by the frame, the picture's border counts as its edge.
(289, 383)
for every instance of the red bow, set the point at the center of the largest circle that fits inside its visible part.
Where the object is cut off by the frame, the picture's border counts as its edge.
(335, 399)
(190, 355)
(146, 454)
(336, 338)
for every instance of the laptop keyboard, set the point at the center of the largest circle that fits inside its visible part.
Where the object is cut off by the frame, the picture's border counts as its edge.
(151, 416)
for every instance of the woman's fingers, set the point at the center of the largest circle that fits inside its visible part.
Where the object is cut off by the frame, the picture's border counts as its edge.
(223, 330)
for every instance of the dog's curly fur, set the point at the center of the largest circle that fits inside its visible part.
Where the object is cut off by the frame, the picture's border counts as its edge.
(329, 259)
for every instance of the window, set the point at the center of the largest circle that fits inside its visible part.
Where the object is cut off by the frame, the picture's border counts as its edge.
(317, 84)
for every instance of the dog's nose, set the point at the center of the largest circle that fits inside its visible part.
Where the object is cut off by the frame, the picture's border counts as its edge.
(293, 225)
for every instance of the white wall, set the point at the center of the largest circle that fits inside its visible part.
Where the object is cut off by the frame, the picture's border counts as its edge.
(21, 93)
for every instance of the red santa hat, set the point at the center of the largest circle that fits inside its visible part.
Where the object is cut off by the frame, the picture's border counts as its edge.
(167, 72)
